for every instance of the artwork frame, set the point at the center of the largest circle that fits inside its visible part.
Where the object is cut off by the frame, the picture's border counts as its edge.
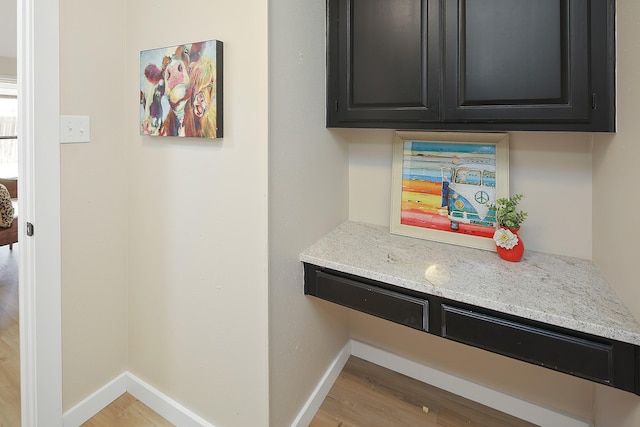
(464, 164)
(181, 90)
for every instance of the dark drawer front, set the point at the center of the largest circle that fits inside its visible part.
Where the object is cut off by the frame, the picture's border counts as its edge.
(403, 309)
(576, 356)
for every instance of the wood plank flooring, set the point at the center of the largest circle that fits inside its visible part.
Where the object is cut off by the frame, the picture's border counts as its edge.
(9, 339)
(369, 395)
(127, 411)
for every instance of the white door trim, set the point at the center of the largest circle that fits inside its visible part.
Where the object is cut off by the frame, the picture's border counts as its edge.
(39, 276)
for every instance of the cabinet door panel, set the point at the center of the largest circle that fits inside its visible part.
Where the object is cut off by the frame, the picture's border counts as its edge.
(382, 55)
(514, 52)
(576, 356)
(386, 62)
(517, 60)
(389, 305)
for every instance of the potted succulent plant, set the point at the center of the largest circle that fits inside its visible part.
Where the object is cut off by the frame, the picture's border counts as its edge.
(508, 244)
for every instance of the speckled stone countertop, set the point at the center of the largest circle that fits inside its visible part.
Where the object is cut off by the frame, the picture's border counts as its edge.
(558, 290)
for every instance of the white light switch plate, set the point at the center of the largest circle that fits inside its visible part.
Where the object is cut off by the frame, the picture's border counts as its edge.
(75, 129)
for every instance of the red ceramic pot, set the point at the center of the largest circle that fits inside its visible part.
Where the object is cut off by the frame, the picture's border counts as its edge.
(514, 254)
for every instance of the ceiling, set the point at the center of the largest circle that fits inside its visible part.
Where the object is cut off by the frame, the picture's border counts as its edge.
(8, 28)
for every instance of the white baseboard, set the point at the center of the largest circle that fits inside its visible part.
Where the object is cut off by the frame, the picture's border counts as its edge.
(316, 398)
(178, 414)
(174, 412)
(171, 410)
(183, 417)
(494, 399)
(95, 403)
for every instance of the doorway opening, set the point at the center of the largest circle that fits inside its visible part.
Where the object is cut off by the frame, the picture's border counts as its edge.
(10, 406)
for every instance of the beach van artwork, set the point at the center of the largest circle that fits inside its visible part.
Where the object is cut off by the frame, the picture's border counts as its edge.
(444, 184)
(181, 90)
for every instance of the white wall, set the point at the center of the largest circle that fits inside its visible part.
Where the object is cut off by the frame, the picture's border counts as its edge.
(8, 66)
(94, 207)
(308, 196)
(198, 314)
(545, 167)
(615, 166)
(616, 205)
(8, 33)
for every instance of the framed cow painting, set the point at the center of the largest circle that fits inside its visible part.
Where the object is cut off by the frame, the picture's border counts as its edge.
(181, 90)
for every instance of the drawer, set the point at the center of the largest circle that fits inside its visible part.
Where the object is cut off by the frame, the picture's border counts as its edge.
(380, 302)
(577, 356)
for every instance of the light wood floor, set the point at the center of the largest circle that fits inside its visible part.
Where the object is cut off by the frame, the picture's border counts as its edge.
(127, 411)
(369, 395)
(364, 395)
(9, 339)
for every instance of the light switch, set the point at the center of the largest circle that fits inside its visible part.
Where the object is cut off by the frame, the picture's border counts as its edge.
(75, 129)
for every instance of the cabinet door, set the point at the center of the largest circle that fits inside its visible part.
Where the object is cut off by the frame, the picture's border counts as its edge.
(383, 61)
(518, 61)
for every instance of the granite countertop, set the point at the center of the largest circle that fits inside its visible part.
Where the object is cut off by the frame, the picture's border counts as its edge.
(558, 290)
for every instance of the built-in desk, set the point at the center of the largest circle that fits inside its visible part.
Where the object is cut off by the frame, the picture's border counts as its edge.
(550, 310)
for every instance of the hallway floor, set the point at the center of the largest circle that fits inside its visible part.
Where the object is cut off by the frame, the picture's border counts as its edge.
(9, 338)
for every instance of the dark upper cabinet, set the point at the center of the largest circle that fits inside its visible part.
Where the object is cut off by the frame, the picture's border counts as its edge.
(517, 60)
(471, 64)
(382, 55)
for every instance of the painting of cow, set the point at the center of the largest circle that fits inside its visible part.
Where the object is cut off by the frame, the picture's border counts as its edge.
(181, 90)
